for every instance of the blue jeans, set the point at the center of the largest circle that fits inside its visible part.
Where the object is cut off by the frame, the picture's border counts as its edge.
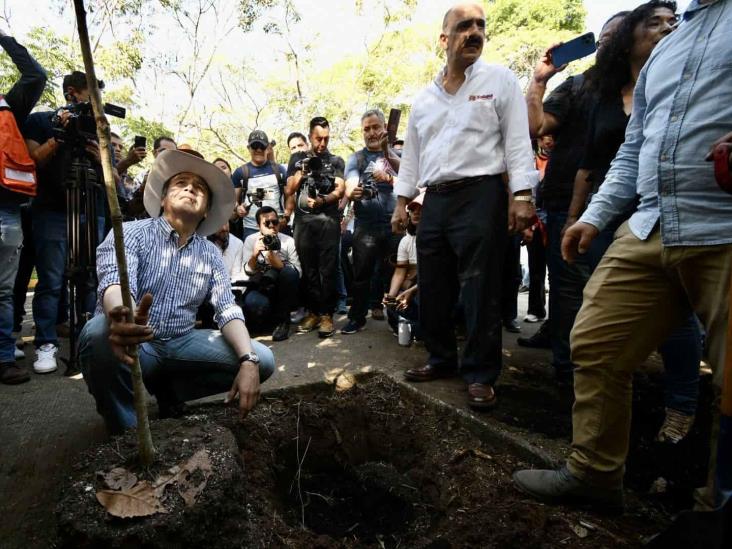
(191, 366)
(681, 352)
(566, 283)
(11, 240)
(49, 239)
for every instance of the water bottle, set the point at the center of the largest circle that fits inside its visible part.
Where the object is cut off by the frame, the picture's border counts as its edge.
(405, 332)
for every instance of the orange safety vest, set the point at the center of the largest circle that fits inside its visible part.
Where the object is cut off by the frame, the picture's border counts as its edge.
(17, 169)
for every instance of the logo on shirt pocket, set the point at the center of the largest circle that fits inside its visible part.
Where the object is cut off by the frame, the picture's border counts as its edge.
(486, 97)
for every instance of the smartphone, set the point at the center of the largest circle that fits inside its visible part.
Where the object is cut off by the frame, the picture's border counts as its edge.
(140, 141)
(392, 126)
(577, 48)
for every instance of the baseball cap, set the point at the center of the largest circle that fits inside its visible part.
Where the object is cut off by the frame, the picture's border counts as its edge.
(258, 136)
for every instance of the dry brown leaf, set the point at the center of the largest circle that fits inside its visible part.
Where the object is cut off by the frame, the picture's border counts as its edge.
(138, 501)
(183, 474)
(188, 488)
(118, 478)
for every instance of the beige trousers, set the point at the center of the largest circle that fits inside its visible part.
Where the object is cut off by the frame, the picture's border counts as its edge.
(638, 294)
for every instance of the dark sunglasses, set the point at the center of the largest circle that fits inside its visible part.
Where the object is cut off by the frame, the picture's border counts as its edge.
(257, 147)
(271, 222)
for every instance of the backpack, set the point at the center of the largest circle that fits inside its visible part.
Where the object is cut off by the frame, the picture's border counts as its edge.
(278, 175)
(17, 169)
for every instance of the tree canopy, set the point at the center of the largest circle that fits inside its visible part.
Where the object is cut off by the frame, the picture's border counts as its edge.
(200, 96)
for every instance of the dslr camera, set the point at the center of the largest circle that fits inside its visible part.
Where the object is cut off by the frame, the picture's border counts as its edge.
(81, 126)
(369, 189)
(271, 242)
(257, 196)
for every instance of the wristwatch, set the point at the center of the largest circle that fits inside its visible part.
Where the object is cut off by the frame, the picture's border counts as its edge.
(249, 357)
(524, 198)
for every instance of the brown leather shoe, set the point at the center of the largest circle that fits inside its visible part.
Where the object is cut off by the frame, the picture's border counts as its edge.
(481, 396)
(377, 313)
(326, 326)
(428, 373)
(309, 323)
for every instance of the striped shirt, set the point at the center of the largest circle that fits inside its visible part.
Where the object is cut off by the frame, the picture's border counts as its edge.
(180, 279)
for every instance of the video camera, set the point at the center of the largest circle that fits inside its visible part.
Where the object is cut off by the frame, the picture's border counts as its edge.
(318, 176)
(81, 127)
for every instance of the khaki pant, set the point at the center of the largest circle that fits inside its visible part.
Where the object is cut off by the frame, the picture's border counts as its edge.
(638, 294)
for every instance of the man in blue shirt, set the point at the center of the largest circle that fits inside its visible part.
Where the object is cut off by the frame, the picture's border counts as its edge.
(370, 184)
(172, 269)
(674, 254)
(258, 183)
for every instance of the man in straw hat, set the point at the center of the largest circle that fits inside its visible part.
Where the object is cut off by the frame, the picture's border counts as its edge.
(173, 269)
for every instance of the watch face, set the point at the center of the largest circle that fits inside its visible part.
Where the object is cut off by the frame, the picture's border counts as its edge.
(253, 358)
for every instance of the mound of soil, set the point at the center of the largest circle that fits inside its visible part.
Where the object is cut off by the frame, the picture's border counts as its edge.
(374, 466)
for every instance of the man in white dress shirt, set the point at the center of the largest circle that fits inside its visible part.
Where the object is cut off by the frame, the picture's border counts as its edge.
(466, 129)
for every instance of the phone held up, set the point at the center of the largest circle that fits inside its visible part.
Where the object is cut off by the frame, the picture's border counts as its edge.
(577, 48)
(140, 141)
(392, 126)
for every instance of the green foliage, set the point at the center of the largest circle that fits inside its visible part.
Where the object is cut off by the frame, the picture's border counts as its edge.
(519, 31)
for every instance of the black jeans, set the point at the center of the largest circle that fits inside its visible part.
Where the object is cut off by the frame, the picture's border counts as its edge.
(566, 283)
(511, 278)
(317, 239)
(537, 276)
(373, 245)
(273, 302)
(460, 245)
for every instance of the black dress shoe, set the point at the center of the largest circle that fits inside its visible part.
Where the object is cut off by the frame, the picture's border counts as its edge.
(428, 373)
(540, 340)
(512, 326)
(281, 332)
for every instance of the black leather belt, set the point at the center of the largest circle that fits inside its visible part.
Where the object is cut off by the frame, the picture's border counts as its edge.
(451, 186)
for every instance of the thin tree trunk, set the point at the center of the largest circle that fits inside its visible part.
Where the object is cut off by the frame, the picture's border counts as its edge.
(144, 438)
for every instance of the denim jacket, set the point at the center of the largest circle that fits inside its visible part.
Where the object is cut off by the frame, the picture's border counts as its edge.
(681, 105)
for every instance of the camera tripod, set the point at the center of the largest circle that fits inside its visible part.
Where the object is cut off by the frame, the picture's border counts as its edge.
(82, 234)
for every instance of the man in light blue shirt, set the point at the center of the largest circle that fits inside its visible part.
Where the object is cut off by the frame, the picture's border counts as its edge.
(172, 270)
(672, 255)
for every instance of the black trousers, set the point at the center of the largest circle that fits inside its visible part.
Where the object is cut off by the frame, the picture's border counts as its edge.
(317, 239)
(271, 303)
(373, 247)
(511, 278)
(537, 276)
(460, 246)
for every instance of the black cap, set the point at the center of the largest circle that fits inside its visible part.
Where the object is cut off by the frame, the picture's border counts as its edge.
(258, 136)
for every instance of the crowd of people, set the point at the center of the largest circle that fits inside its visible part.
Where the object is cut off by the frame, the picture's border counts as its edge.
(423, 232)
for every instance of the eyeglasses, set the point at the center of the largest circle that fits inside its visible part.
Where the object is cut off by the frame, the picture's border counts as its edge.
(257, 147)
(271, 223)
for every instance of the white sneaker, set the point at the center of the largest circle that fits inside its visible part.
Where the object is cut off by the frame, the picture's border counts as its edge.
(532, 318)
(46, 359)
(19, 354)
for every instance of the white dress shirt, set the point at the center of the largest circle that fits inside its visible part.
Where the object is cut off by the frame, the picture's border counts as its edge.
(287, 253)
(234, 258)
(481, 130)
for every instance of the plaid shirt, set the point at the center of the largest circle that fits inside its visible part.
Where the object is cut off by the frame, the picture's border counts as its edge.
(180, 279)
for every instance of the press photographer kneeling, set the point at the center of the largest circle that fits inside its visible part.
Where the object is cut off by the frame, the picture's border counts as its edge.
(272, 274)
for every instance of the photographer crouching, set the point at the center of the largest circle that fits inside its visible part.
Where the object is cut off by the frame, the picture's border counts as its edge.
(272, 270)
(316, 177)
